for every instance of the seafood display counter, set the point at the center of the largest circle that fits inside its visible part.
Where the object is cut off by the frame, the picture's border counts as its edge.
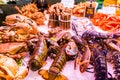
(59, 44)
(68, 71)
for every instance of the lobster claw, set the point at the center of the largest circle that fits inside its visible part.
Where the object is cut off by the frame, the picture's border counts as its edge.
(85, 59)
(45, 74)
(62, 37)
(113, 44)
(71, 48)
(77, 60)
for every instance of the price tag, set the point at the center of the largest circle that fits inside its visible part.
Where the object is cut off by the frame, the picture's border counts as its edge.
(89, 12)
(109, 10)
(68, 3)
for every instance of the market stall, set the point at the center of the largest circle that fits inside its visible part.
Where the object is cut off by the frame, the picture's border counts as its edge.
(60, 42)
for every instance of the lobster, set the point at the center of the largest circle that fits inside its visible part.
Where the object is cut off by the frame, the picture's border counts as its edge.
(39, 55)
(99, 44)
(79, 42)
(57, 65)
(100, 64)
(54, 43)
(99, 49)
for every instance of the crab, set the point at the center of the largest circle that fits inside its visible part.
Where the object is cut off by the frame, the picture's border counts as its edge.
(17, 20)
(14, 49)
(9, 69)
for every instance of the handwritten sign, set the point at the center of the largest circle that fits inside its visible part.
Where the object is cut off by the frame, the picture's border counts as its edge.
(109, 10)
(68, 3)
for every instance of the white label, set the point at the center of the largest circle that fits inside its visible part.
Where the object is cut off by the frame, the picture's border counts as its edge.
(1, 11)
(109, 10)
(68, 3)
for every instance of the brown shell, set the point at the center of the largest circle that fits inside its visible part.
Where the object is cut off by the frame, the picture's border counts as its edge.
(9, 65)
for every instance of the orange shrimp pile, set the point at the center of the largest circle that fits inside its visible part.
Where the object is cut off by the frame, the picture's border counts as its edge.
(110, 23)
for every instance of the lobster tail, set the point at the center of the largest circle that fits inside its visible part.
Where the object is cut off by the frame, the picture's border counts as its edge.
(100, 66)
(57, 65)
